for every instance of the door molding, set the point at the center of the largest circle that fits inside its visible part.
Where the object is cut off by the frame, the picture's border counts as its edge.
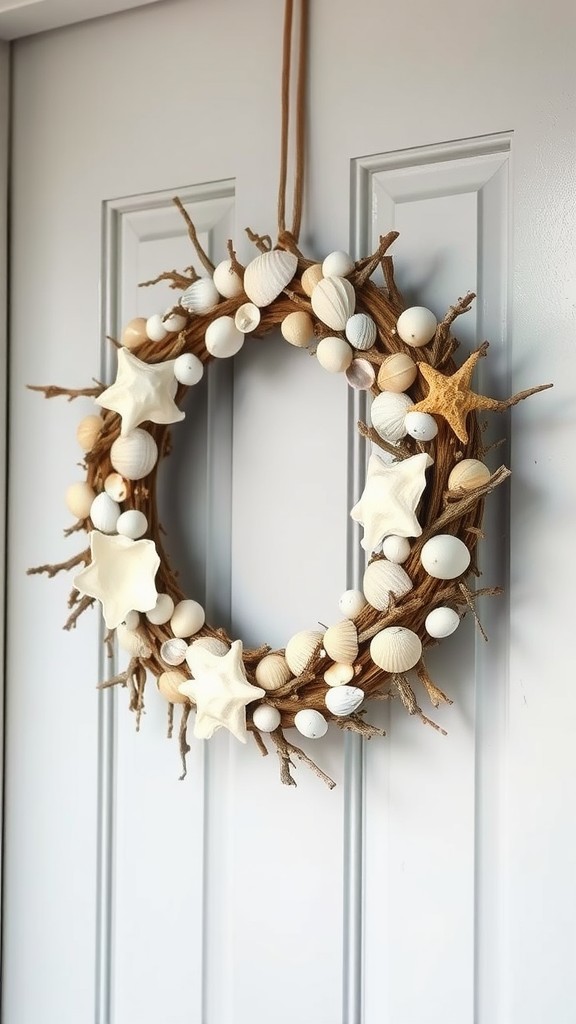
(27, 17)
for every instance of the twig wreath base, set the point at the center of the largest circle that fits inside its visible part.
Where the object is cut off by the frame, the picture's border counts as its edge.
(421, 509)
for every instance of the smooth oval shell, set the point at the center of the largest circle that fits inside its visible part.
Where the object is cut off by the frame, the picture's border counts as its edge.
(341, 642)
(343, 700)
(416, 326)
(116, 487)
(155, 329)
(445, 557)
(338, 674)
(173, 651)
(79, 497)
(351, 603)
(132, 642)
(333, 301)
(421, 425)
(266, 718)
(227, 280)
(187, 618)
(272, 672)
(441, 622)
(334, 354)
(396, 649)
(310, 278)
(132, 523)
(209, 643)
(88, 430)
(174, 322)
(388, 413)
(161, 611)
(397, 373)
(222, 338)
(134, 333)
(168, 683)
(247, 317)
(135, 454)
(132, 620)
(337, 264)
(468, 474)
(267, 275)
(301, 648)
(188, 369)
(311, 723)
(360, 374)
(298, 328)
(104, 513)
(201, 296)
(396, 549)
(384, 579)
(361, 331)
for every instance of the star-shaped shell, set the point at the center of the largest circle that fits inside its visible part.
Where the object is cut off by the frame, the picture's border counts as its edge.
(142, 391)
(390, 498)
(121, 576)
(220, 691)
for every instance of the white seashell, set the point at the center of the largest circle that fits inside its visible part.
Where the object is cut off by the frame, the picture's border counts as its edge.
(155, 329)
(416, 326)
(116, 487)
(396, 549)
(338, 674)
(267, 275)
(333, 301)
(468, 474)
(298, 328)
(187, 618)
(334, 354)
(161, 611)
(168, 683)
(134, 334)
(135, 454)
(343, 700)
(361, 331)
(174, 322)
(104, 513)
(388, 414)
(337, 264)
(445, 557)
(247, 317)
(188, 369)
(222, 338)
(396, 649)
(88, 430)
(351, 603)
(132, 523)
(383, 580)
(301, 648)
(397, 373)
(421, 426)
(201, 296)
(208, 643)
(360, 374)
(79, 497)
(266, 718)
(441, 622)
(341, 642)
(272, 672)
(310, 278)
(227, 281)
(311, 723)
(132, 620)
(132, 642)
(173, 651)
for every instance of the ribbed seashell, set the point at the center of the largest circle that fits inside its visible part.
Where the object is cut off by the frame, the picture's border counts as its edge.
(310, 278)
(209, 643)
(134, 455)
(361, 331)
(338, 674)
(272, 672)
(131, 641)
(397, 373)
(247, 317)
(200, 296)
(173, 651)
(388, 412)
(301, 648)
(79, 497)
(360, 374)
(104, 513)
(116, 487)
(187, 618)
(168, 683)
(343, 700)
(396, 649)
(267, 275)
(333, 301)
(468, 474)
(88, 430)
(311, 723)
(341, 642)
(382, 580)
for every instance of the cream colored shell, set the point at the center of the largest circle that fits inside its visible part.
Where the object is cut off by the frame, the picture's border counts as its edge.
(310, 278)
(338, 674)
(341, 642)
(267, 275)
(134, 455)
(396, 649)
(79, 497)
(388, 412)
(333, 301)
(397, 373)
(468, 474)
(104, 513)
(187, 618)
(343, 700)
(200, 296)
(334, 354)
(301, 648)
(384, 579)
(88, 430)
(168, 683)
(298, 328)
(209, 643)
(173, 651)
(131, 641)
(272, 672)
(116, 487)
(247, 317)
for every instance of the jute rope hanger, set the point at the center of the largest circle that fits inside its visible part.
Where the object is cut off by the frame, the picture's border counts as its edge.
(299, 119)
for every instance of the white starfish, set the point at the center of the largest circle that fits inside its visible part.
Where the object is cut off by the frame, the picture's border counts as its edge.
(390, 498)
(220, 691)
(120, 575)
(142, 391)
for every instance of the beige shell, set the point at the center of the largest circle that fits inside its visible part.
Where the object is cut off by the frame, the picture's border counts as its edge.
(267, 275)
(116, 487)
(88, 430)
(134, 455)
(227, 280)
(334, 354)
(301, 648)
(200, 296)
(341, 642)
(388, 412)
(134, 333)
(333, 301)
(360, 374)
(397, 373)
(272, 672)
(247, 317)
(209, 643)
(168, 683)
(131, 641)
(343, 700)
(79, 497)
(468, 474)
(187, 618)
(396, 649)
(298, 328)
(310, 278)
(383, 579)
(173, 651)
(338, 674)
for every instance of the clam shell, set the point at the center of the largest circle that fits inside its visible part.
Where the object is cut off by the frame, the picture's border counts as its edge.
(301, 648)
(187, 618)
(396, 649)
(397, 373)
(338, 674)
(311, 723)
(343, 700)
(341, 642)
(116, 487)
(310, 278)
(134, 455)
(361, 331)
(360, 374)
(227, 281)
(272, 672)
(267, 275)
(131, 641)
(173, 651)
(266, 718)
(298, 328)
(468, 474)
(351, 603)
(104, 513)
(88, 430)
(247, 317)
(384, 579)
(334, 354)
(79, 497)
(388, 412)
(168, 683)
(333, 301)
(200, 296)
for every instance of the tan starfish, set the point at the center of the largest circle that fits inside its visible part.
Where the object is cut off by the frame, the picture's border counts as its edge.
(451, 397)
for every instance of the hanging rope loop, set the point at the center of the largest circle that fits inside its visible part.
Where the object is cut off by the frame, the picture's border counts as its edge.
(299, 121)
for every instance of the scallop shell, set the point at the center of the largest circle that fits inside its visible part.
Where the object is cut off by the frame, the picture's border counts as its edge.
(360, 374)
(333, 301)
(173, 651)
(266, 718)
(397, 373)
(79, 497)
(298, 328)
(311, 723)
(168, 683)
(468, 474)
(272, 672)
(200, 296)
(88, 430)
(267, 275)
(361, 331)
(338, 674)
(310, 278)
(396, 649)
(301, 648)
(104, 513)
(388, 412)
(187, 618)
(116, 487)
(343, 700)
(384, 579)
(341, 642)
(131, 641)
(247, 317)
(134, 455)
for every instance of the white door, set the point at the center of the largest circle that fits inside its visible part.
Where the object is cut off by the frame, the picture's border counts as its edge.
(436, 882)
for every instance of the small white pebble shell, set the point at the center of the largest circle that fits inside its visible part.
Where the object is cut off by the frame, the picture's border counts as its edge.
(168, 683)
(343, 700)
(298, 328)
(421, 426)
(173, 651)
(445, 557)
(116, 487)
(266, 718)
(310, 278)
(416, 326)
(361, 331)
(341, 642)
(155, 329)
(333, 301)
(334, 354)
(441, 622)
(396, 649)
(174, 322)
(227, 281)
(468, 474)
(311, 723)
(360, 374)
(187, 618)
(132, 620)
(188, 369)
(267, 275)
(337, 264)
(397, 373)
(201, 296)
(132, 523)
(88, 430)
(351, 603)
(272, 672)
(384, 579)
(300, 649)
(338, 674)
(132, 642)
(247, 317)
(104, 513)
(222, 338)
(396, 549)
(161, 611)
(388, 415)
(79, 497)
(135, 454)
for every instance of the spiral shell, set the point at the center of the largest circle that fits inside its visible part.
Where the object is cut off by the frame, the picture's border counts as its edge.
(333, 301)
(272, 672)
(383, 580)
(301, 648)
(396, 649)
(341, 642)
(267, 275)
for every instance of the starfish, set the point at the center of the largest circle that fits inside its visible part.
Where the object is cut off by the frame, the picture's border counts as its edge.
(390, 498)
(120, 575)
(451, 397)
(142, 391)
(220, 691)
